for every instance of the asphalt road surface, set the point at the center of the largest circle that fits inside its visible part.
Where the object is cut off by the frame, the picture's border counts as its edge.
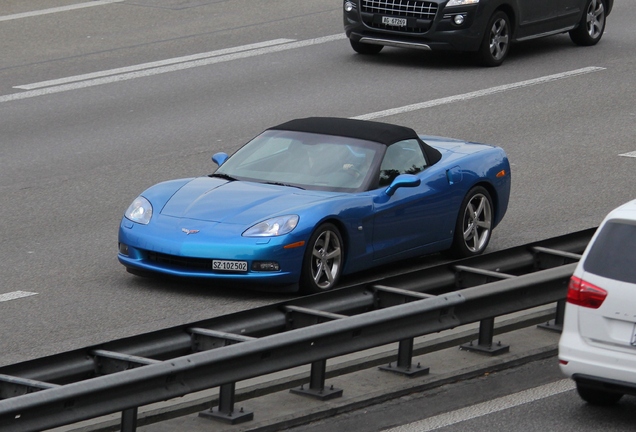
(533, 397)
(99, 102)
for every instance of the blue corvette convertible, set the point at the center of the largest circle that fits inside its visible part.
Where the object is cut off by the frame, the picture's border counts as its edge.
(312, 199)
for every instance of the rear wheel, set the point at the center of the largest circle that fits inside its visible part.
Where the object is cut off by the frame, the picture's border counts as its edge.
(323, 260)
(597, 397)
(362, 48)
(592, 24)
(474, 224)
(494, 48)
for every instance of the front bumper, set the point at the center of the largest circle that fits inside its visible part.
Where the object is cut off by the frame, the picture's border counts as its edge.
(437, 34)
(164, 249)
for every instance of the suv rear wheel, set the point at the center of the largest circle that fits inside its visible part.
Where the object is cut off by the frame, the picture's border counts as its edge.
(592, 24)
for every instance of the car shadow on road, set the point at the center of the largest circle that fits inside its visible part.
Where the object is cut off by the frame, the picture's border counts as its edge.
(205, 289)
(451, 60)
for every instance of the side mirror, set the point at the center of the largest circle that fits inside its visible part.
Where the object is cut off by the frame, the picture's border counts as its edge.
(219, 158)
(403, 180)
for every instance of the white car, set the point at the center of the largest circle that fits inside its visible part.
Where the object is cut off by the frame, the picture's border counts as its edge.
(597, 348)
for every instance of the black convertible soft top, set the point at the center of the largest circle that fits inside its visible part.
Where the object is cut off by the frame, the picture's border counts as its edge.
(383, 133)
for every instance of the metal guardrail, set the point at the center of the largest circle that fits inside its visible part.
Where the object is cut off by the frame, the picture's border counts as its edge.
(125, 374)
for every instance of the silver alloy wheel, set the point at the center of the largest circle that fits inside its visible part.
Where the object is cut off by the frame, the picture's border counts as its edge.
(326, 259)
(595, 19)
(499, 39)
(476, 225)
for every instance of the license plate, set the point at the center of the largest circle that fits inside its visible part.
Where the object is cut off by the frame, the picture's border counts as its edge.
(395, 22)
(224, 265)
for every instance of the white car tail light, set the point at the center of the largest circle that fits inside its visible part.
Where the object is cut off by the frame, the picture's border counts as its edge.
(584, 294)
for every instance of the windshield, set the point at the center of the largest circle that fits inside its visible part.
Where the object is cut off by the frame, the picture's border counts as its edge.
(306, 160)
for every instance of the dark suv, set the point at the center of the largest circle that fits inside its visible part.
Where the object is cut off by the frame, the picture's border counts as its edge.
(485, 27)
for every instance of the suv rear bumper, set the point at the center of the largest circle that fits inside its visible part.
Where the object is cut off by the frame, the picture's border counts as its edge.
(580, 359)
(605, 385)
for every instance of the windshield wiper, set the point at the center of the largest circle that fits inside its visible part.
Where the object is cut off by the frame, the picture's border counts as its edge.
(285, 184)
(223, 176)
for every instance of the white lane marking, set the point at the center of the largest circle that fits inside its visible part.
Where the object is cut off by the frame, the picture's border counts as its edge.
(15, 295)
(485, 408)
(151, 65)
(169, 68)
(58, 9)
(630, 154)
(479, 93)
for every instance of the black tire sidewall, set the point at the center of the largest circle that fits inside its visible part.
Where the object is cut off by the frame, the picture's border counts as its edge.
(597, 397)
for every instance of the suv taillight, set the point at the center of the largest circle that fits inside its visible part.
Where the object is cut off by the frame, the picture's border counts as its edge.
(585, 294)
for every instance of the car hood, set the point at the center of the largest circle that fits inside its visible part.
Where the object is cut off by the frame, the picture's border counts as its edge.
(236, 202)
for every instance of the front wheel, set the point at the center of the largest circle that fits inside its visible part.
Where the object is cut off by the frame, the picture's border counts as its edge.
(592, 24)
(323, 260)
(474, 224)
(363, 48)
(494, 48)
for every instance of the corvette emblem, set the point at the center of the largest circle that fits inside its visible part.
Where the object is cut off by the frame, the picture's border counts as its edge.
(189, 231)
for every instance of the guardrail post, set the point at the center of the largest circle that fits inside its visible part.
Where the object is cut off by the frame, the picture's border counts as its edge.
(225, 412)
(129, 420)
(317, 384)
(404, 362)
(484, 343)
(556, 325)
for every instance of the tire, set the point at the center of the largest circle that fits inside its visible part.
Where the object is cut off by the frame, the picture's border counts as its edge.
(597, 397)
(592, 25)
(323, 260)
(367, 49)
(474, 224)
(497, 38)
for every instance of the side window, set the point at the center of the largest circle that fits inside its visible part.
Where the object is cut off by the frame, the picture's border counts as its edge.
(403, 157)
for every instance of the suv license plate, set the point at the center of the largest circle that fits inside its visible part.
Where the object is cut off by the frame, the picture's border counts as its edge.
(395, 22)
(223, 265)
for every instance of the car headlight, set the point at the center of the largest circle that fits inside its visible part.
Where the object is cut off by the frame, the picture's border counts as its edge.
(461, 2)
(140, 211)
(273, 227)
